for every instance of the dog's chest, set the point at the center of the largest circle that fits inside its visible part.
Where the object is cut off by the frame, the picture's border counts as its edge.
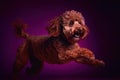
(67, 53)
(53, 51)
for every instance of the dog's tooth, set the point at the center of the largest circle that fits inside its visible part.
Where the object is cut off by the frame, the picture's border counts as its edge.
(76, 36)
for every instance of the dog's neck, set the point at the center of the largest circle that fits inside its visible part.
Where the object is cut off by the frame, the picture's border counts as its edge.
(63, 40)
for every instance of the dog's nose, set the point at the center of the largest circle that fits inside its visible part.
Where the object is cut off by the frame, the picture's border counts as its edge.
(79, 31)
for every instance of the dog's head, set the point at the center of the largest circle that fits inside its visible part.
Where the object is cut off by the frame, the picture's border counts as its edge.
(71, 24)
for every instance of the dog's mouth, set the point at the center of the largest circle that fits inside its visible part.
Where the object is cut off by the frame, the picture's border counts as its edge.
(78, 34)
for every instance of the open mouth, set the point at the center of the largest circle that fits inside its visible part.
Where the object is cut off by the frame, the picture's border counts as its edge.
(77, 34)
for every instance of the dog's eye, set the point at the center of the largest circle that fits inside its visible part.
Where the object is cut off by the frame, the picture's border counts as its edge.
(71, 22)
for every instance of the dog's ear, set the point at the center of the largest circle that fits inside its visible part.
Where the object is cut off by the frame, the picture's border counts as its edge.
(54, 27)
(86, 31)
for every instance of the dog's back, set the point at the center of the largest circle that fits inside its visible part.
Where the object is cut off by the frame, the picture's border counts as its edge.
(44, 48)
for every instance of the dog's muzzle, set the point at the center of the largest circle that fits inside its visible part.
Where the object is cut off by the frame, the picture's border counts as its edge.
(78, 33)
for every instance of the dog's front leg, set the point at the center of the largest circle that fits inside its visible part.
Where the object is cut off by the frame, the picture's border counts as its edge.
(87, 57)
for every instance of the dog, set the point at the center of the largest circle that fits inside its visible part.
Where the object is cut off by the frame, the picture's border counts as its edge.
(59, 47)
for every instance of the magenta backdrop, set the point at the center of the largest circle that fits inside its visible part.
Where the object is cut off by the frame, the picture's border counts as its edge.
(37, 14)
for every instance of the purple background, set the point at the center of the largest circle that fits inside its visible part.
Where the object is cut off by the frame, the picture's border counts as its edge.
(101, 17)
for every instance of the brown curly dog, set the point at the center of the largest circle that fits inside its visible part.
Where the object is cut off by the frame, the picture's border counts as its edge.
(58, 48)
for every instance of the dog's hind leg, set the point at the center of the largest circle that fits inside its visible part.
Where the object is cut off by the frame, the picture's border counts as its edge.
(36, 64)
(21, 60)
(35, 68)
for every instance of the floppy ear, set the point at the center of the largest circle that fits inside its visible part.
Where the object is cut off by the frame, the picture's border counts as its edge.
(54, 27)
(86, 31)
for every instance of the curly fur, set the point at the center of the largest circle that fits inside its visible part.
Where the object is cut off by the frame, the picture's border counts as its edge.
(59, 47)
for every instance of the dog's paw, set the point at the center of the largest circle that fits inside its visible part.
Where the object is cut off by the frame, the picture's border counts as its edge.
(29, 71)
(98, 63)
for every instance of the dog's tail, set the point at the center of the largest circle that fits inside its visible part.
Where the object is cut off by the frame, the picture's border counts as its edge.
(19, 29)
